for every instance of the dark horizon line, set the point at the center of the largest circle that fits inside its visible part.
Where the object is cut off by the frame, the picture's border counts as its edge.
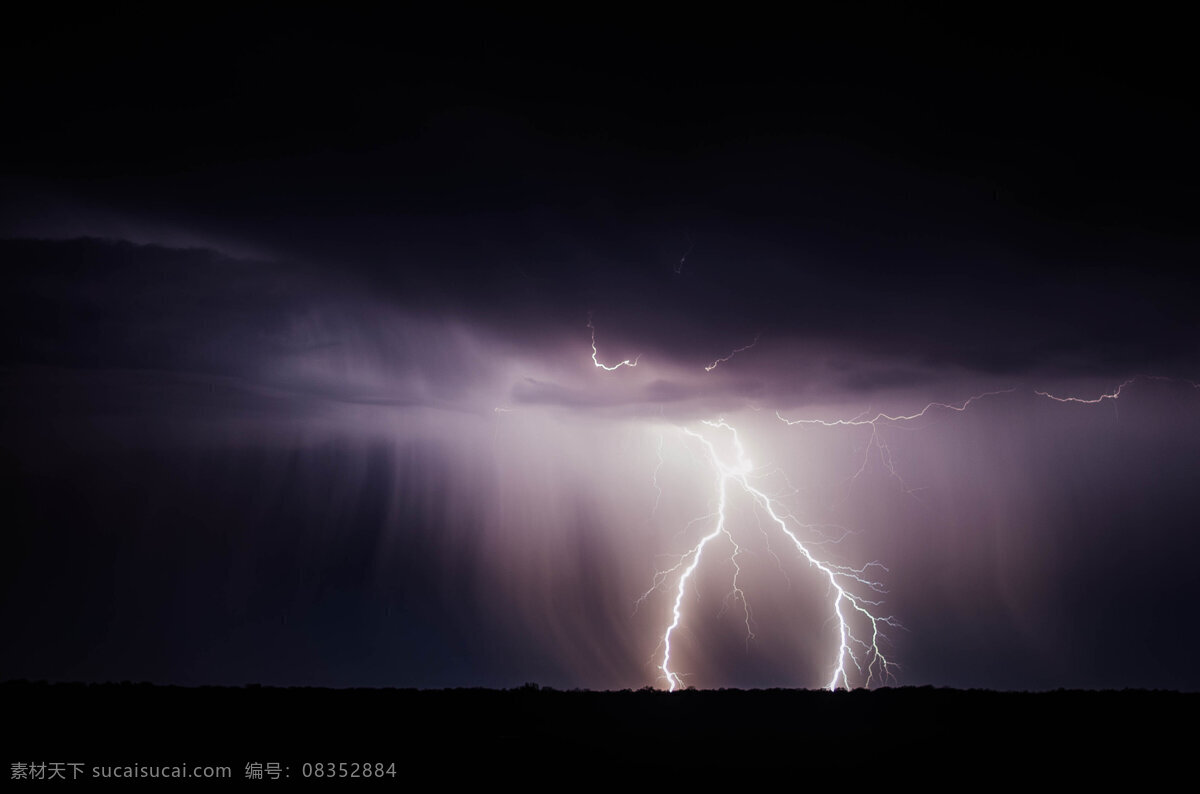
(533, 687)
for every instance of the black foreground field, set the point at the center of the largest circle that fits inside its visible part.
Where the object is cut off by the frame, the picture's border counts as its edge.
(870, 737)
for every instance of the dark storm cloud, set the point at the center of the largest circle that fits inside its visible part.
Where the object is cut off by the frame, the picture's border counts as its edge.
(664, 391)
(111, 306)
(311, 337)
(935, 199)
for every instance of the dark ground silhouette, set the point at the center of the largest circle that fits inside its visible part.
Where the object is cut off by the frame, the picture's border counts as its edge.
(867, 736)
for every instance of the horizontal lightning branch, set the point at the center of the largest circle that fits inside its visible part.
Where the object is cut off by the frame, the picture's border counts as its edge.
(877, 441)
(734, 352)
(596, 353)
(1115, 394)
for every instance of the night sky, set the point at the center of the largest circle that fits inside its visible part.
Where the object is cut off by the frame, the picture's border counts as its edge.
(298, 380)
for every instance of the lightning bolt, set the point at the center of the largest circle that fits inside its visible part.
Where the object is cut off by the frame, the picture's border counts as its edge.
(858, 656)
(734, 352)
(877, 440)
(657, 487)
(858, 660)
(682, 259)
(1115, 394)
(595, 353)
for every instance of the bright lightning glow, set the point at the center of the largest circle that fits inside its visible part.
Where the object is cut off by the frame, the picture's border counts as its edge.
(595, 353)
(734, 352)
(848, 604)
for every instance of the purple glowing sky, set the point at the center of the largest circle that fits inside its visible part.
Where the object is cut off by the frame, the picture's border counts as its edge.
(300, 387)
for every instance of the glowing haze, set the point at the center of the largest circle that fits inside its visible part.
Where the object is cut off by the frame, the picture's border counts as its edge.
(456, 361)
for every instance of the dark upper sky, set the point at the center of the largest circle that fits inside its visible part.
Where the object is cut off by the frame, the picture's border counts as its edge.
(220, 225)
(999, 189)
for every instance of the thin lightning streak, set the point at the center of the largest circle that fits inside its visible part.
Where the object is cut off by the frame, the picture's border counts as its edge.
(595, 353)
(682, 259)
(657, 487)
(1116, 394)
(734, 352)
(871, 663)
(877, 441)
(737, 593)
(859, 420)
(1113, 396)
(698, 520)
